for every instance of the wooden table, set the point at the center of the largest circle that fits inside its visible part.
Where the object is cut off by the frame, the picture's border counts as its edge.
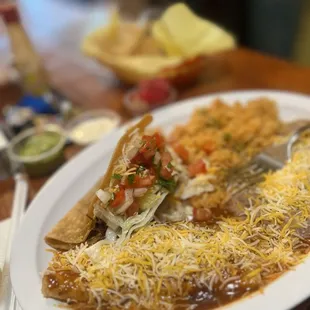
(233, 70)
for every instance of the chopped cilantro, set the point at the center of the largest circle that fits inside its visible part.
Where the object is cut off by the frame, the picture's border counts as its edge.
(169, 165)
(131, 178)
(116, 176)
(227, 136)
(170, 185)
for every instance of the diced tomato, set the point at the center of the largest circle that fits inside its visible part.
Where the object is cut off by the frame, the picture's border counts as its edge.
(139, 182)
(119, 198)
(165, 171)
(152, 171)
(209, 147)
(181, 151)
(197, 167)
(202, 214)
(165, 158)
(138, 159)
(149, 147)
(133, 209)
(160, 141)
(148, 153)
(148, 141)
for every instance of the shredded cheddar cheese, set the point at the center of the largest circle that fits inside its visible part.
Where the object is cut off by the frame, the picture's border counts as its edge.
(162, 262)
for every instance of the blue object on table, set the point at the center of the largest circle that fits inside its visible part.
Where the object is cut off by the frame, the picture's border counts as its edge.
(37, 104)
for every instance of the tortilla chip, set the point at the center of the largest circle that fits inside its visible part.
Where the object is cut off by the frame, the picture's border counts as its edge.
(171, 33)
(146, 120)
(75, 226)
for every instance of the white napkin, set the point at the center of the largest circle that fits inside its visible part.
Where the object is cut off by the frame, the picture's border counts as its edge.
(4, 234)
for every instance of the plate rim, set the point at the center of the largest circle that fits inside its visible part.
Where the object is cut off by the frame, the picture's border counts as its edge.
(20, 268)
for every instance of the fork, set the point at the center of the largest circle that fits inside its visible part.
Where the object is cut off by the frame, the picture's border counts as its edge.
(270, 159)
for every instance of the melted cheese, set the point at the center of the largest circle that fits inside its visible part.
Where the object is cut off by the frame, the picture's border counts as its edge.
(160, 260)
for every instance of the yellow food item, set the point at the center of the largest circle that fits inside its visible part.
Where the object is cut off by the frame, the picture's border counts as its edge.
(134, 53)
(124, 48)
(180, 32)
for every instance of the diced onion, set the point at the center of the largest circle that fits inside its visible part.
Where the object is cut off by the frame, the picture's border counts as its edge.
(156, 158)
(110, 235)
(132, 152)
(113, 221)
(207, 163)
(132, 148)
(128, 202)
(139, 192)
(104, 196)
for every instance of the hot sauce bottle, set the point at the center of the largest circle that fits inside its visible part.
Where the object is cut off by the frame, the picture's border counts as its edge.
(33, 76)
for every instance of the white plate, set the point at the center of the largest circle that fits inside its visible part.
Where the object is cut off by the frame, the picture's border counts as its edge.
(29, 256)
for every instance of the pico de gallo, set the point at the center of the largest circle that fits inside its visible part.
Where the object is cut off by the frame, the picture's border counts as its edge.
(149, 166)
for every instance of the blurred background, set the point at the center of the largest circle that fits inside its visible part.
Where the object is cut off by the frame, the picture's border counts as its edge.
(278, 27)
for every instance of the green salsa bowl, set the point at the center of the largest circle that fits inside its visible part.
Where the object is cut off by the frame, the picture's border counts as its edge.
(41, 151)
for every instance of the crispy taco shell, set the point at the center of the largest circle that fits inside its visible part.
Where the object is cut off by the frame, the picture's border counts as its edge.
(146, 120)
(75, 227)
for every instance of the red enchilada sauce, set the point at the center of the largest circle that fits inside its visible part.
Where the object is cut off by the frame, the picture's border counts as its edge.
(66, 284)
(204, 299)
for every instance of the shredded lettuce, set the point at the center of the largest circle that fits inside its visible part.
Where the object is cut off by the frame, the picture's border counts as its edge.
(104, 214)
(148, 203)
(150, 197)
(137, 221)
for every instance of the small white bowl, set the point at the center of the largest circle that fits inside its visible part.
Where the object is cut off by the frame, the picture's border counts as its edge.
(81, 138)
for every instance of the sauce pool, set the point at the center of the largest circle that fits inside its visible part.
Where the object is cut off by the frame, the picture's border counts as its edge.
(91, 130)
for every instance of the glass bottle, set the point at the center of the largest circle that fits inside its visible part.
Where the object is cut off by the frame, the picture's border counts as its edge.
(33, 76)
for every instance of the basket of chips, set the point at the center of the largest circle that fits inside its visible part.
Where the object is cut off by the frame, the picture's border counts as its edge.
(173, 47)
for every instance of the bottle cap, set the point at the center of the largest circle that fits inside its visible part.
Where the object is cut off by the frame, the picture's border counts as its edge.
(9, 13)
